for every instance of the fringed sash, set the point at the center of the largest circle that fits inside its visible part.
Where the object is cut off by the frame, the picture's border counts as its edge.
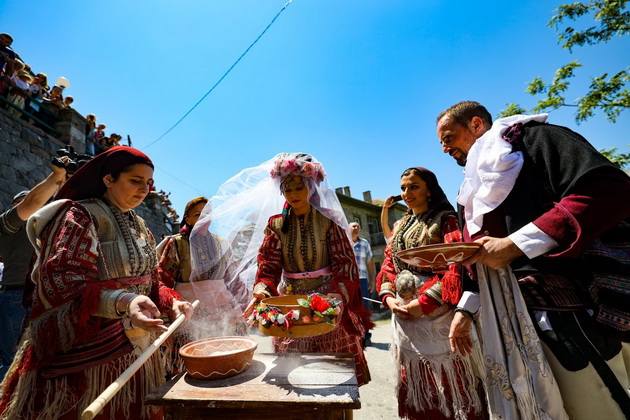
(432, 376)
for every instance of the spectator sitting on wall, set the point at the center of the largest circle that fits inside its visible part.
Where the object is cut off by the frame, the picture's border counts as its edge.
(18, 66)
(19, 88)
(98, 137)
(8, 75)
(90, 126)
(7, 55)
(67, 101)
(7, 58)
(112, 141)
(54, 99)
(52, 103)
(36, 90)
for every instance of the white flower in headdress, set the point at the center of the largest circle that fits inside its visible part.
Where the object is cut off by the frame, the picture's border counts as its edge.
(284, 167)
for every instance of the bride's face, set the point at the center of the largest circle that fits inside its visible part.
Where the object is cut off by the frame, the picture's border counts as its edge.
(296, 193)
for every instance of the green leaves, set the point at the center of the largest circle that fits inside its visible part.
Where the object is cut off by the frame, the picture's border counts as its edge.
(620, 159)
(610, 96)
(607, 94)
(304, 303)
(511, 109)
(610, 17)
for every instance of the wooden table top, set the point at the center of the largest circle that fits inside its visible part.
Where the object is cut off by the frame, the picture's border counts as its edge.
(325, 381)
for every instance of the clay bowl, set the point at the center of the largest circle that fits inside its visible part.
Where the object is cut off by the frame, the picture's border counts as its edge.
(298, 328)
(438, 256)
(218, 357)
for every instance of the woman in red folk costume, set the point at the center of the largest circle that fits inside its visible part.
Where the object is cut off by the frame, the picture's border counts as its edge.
(219, 311)
(96, 301)
(433, 382)
(306, 250)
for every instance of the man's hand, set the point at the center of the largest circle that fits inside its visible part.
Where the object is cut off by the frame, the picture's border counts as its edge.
(372, 286)
(43, 191)
(59, 173)
(495, 252)
(459, 335)
(397, 308)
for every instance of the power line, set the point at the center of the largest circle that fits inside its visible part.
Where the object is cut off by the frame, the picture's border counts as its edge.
(201, 193)
(221, 79)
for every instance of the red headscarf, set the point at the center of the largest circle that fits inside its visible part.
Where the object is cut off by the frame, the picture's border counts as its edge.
(87, 182)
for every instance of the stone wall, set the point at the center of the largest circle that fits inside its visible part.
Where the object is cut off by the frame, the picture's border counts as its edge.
(26, 152)
(25, 155)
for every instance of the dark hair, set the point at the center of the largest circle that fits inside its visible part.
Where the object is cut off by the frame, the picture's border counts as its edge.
(5, 35)
(464, 111)
(438, 198)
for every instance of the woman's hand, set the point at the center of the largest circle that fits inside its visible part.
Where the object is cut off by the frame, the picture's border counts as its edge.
(414, 309)
(389, 202)
(144, 314)
(180, 306)
(252, 305)
(397, 309)
(338, 297)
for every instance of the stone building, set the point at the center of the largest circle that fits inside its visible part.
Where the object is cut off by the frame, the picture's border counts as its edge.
(368, 213)
(26, 151)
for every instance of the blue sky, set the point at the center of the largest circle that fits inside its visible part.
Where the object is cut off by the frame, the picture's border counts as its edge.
(357, 83)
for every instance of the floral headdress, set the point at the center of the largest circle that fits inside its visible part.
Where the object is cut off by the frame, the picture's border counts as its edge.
(298, 165)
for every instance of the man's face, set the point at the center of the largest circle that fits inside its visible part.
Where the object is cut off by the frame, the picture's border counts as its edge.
(355, 229)
(455, 138)
(5, 41)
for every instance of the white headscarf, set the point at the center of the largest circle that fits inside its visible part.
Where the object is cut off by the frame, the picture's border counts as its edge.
(491, 171)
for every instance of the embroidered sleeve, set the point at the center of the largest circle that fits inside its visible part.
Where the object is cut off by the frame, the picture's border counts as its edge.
(67, 262)
(163, 296)
(589, 195)
(168, 267)
(68, 288)
(344, 265)
(386, 277)
(269, 263)
(446, 287)
(595, 205)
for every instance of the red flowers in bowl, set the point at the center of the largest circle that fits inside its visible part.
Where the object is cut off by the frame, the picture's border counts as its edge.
(323, 307)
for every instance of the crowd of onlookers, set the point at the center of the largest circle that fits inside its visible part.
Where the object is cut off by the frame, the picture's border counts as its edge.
(95, 139)
(29, 95)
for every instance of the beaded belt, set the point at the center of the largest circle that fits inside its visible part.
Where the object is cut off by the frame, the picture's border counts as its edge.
(307, 281)
(309, 274)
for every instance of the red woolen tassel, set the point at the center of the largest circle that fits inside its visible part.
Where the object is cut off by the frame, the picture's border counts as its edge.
(166, 296)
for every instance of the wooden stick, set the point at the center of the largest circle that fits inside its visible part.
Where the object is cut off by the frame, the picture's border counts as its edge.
(97, 405)
(372, 300)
